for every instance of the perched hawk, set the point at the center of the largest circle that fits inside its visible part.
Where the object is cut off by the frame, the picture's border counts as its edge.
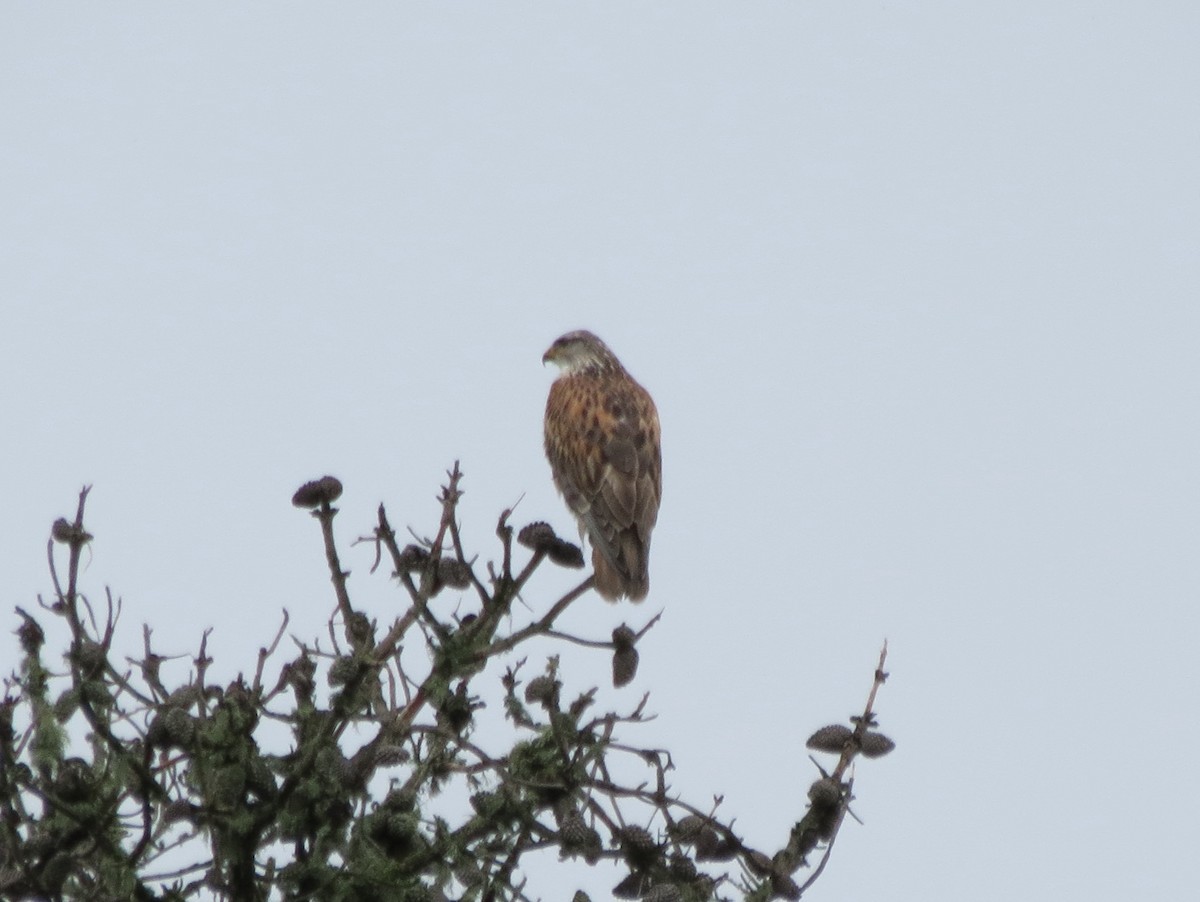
(602, 441)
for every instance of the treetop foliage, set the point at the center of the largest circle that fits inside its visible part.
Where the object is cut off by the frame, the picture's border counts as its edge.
(331, 772)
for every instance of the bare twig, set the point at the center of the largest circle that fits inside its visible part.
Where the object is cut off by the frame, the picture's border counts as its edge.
(266, 652)
(325, 514)
(539, 626)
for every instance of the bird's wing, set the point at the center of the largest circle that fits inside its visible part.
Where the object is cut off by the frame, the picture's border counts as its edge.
(602, 440)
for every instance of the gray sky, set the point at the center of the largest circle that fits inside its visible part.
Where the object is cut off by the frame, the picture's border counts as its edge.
(914, 287)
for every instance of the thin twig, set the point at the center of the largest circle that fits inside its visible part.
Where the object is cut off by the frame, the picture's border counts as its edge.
(264, 653)
(325, 514)
(539, 626)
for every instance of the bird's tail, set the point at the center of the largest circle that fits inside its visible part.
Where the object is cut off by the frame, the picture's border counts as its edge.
(613, 585)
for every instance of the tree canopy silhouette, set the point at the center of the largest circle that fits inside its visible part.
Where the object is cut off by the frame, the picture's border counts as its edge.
(316, 777)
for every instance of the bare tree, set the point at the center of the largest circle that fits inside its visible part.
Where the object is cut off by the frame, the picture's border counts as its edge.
(119, 782)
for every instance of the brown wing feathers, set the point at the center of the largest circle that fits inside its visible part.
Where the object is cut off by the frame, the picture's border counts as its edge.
(602, 441)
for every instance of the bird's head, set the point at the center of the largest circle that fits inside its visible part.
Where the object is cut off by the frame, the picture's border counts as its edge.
(580, 351)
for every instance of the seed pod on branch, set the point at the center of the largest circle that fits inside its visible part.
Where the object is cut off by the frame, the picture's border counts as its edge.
(664, 892)
(543, 689)
(412, 557)
(541, 537)
(625, 656)
(875, 745)
(453, 573)
(577, 838)
(325, 490)
(832, 739)
(688, 829)
(634, 886)
(638, 847)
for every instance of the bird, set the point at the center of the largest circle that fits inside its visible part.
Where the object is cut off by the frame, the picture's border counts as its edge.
(603, 443)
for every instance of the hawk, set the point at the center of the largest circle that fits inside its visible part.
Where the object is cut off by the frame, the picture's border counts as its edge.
(602, 441)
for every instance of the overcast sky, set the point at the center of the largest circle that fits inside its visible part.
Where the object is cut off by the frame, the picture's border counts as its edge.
(916, 288)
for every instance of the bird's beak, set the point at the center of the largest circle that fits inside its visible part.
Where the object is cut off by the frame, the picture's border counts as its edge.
(548, 356)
